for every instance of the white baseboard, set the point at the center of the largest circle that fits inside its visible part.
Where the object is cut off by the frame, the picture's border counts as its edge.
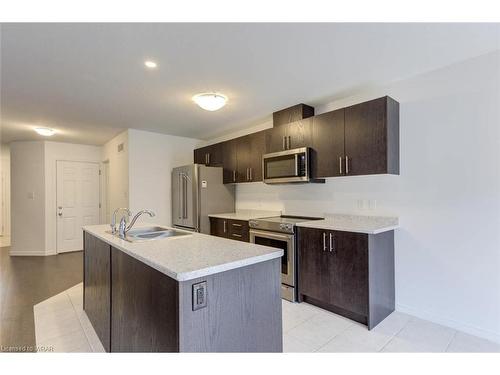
(459, 326)
(27, 253)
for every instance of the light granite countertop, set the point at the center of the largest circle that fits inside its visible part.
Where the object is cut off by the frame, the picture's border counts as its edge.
(191, 256)
(246, 214)
(354, 223)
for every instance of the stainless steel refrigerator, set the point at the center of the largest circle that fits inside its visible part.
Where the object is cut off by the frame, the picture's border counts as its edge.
(198, 191)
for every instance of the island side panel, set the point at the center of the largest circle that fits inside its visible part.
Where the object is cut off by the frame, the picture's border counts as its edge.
(243, 312)
(144, 307)
(97, 286)
(381, 279)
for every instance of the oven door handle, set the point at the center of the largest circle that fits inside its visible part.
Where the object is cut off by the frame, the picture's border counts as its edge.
(271, 235)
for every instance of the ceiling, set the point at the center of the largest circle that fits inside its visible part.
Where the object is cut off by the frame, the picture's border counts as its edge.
(88, 81)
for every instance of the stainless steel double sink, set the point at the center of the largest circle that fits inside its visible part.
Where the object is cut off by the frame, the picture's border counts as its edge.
(151, 233)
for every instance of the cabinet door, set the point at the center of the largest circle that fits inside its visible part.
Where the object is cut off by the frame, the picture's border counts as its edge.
(348, 264)
(218, 227)
(97, 287)
(144, 307)
(299, 134)
(327, 159)
(257, 149)
(229, 161)
(209, 155)
(275, 139)
(313, 264)
(200, 155)
(242, 158)
(366, 138)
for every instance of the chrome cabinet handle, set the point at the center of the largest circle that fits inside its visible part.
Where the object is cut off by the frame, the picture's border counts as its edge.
(236, 235)
(324, 241)
(208, 157)
(289, 142)
(234, 176)
(225, 229)
(250, 169)
(284, 143)
(340, 164)
(331, 242)
(236, 225)
(347, 164)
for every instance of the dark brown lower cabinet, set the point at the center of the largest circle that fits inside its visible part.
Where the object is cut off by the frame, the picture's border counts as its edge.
(351, 274)
(229, 228)
(150, 323)
(97, 286)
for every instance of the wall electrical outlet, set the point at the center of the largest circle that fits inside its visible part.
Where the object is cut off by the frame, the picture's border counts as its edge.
(199, 295)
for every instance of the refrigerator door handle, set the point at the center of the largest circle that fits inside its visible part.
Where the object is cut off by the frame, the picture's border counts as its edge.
(184, 196)
(181, 209)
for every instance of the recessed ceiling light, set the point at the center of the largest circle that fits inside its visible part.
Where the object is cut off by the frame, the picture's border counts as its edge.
(210, 101)
(150, 64)
(46, 132)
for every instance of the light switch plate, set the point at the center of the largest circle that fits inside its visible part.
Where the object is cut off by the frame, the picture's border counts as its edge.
(203, 184)
(199, 295)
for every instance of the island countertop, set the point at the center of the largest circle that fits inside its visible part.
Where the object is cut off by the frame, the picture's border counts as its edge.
(191, 256)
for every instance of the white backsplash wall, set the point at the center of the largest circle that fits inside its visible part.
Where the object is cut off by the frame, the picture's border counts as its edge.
(447, 195)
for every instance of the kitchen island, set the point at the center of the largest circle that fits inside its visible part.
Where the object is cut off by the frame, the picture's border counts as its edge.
(187, 293)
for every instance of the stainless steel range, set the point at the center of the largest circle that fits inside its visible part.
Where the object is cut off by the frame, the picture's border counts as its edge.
(279, 232)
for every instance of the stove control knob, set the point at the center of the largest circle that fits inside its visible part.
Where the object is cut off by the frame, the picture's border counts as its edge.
(284, 226)
(253, 223)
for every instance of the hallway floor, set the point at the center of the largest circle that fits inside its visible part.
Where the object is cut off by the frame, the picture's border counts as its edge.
(26, 281)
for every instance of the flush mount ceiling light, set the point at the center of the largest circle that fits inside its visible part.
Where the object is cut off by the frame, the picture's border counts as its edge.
(46, 132)
(210, 101)
(150, 64)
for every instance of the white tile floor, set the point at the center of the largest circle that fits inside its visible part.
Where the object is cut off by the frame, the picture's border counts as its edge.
(61, 324)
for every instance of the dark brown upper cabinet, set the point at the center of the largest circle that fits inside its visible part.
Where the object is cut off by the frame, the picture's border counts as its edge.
(248, 152)
(292, 128)
(358, 140)
(209, 155)
(292, 114)
(293, 135)
(372, 137)
(328, 144)
(230, 161)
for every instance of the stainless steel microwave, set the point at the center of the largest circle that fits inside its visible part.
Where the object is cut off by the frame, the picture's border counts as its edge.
(286, 166)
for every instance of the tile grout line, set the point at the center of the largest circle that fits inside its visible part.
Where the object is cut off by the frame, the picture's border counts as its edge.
(335, 336)
(451, 340)
(298, 324)
(394, 335)
(80, 322)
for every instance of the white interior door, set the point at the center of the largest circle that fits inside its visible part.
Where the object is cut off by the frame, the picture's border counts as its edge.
(77, 202)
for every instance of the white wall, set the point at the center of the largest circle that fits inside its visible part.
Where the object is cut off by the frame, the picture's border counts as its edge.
(61, 151)
(27, 198)
(118, 171)
(5, 188)
(151, 159)
(447, 195)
